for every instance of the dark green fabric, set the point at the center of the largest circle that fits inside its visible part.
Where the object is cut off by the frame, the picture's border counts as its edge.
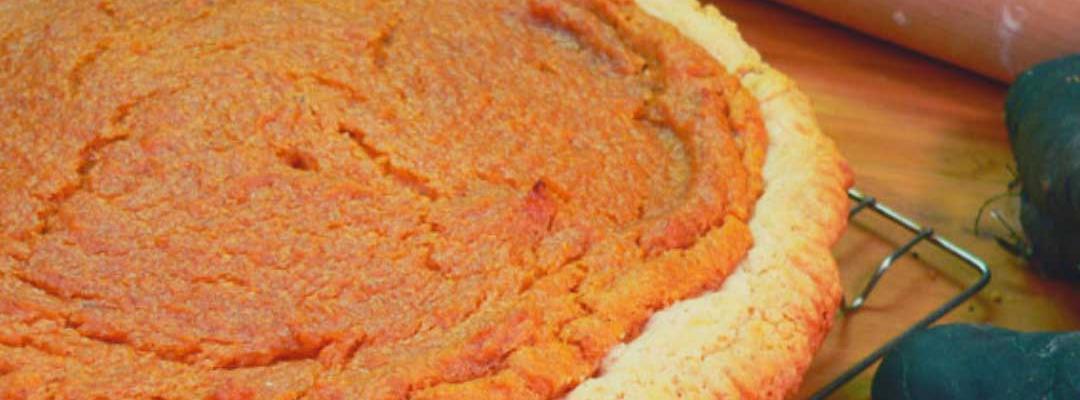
(1042, 114)
(979, 362)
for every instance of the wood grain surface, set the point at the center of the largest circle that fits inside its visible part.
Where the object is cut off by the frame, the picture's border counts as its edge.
(927, 139)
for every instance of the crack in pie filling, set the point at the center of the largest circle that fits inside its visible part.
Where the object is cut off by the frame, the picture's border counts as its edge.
(405, 199)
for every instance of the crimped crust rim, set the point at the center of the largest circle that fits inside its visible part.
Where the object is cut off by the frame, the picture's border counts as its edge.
(756, 335)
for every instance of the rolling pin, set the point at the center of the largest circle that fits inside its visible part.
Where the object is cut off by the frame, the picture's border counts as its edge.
(995, 38)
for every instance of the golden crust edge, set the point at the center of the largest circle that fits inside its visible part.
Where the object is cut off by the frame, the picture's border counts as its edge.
(756, 335)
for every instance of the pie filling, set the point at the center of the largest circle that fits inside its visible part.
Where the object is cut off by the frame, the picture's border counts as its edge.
(363, 199)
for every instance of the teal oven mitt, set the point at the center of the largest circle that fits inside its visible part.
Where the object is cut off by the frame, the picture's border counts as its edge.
(1042, 113)
(979, 362)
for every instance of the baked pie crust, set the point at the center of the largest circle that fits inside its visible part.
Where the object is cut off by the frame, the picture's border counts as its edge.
(755, 336)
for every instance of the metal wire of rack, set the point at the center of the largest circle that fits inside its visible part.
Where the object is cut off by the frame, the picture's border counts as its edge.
(922, 234)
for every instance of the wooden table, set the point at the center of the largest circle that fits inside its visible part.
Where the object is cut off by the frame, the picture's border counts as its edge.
(927, 139)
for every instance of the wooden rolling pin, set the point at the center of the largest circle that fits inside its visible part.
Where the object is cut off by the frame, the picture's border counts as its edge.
(996, 38)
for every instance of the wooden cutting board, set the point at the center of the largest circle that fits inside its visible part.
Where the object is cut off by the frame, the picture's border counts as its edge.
(926, 138)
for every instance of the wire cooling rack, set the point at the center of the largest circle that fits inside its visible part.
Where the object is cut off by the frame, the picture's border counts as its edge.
(921, 234)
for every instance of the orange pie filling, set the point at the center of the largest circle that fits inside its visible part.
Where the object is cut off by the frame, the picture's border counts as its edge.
(378, 199)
